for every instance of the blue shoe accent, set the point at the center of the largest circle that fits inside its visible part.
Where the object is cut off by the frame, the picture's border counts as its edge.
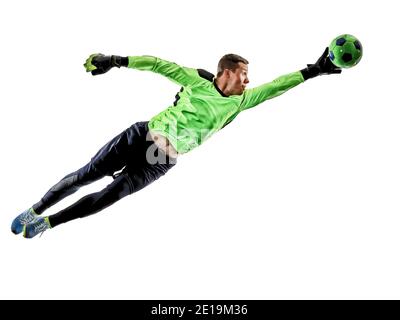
(24, 218)
(37, 226)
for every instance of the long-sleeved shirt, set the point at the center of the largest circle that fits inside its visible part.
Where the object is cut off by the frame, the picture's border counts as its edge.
(200, 108)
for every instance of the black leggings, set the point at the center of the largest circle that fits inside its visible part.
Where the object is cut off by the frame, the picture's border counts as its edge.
(128, 151)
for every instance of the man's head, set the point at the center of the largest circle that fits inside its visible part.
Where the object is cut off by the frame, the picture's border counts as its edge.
(232, 74)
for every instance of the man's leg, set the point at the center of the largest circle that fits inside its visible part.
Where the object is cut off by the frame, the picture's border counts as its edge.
(86, 206)
(126, 183)
(111, 158)
(107, 160)
(67, 186)
(131, 148)
(94, 202)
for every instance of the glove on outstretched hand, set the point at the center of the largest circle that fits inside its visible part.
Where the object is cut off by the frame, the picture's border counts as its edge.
(323, 65)
(99, 63)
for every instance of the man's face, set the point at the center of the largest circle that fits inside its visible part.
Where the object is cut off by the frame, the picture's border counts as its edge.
(238, 79)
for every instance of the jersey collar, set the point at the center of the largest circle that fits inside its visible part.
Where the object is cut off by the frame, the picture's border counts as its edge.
(219, 90)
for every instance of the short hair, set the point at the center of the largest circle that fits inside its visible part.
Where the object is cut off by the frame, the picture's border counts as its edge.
(229, 61)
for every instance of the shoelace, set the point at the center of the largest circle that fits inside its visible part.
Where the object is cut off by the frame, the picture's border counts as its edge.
(27, 217)
(40, 227)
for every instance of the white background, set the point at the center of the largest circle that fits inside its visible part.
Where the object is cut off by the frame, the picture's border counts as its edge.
(298, 198)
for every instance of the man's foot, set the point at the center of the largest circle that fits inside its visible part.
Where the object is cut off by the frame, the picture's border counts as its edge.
(37, 226)
(24, 218)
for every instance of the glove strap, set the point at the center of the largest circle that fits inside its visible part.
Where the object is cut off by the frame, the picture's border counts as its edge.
(310, 72)
(117, 61)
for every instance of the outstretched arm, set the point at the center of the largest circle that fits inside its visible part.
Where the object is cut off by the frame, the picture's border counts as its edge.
(255, 96)
(99, 64)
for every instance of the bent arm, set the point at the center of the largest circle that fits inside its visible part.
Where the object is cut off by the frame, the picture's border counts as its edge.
(176, 73)
(257, 95)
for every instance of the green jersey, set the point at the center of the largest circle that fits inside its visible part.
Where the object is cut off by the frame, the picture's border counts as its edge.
(201, 109)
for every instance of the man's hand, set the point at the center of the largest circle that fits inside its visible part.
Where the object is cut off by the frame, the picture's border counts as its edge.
(99, 63)
(323, 65)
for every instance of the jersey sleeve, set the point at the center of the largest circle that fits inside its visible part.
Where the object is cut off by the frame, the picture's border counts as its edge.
(181, 75)
(257, 95)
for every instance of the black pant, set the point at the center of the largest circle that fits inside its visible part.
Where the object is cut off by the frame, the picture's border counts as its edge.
(133, 152)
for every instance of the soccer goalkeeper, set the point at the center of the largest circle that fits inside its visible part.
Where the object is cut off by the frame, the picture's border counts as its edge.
(147, 150)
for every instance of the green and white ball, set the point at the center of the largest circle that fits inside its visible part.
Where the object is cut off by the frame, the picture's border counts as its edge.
(345, 51)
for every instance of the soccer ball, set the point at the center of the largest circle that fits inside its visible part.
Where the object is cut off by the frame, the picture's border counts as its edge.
(345, 51)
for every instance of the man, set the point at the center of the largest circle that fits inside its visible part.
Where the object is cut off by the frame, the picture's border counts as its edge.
(147, 150)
